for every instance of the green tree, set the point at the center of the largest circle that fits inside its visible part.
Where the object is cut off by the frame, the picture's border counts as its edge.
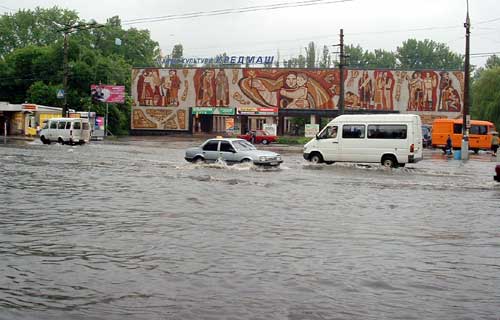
(325, 58)
(486, 96)
(427, 54)
(310, 59)
(177, 55)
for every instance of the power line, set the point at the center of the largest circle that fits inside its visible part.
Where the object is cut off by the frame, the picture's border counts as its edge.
(10, 9)
(232, 11)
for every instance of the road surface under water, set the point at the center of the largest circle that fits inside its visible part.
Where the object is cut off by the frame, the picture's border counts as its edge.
(129, 230)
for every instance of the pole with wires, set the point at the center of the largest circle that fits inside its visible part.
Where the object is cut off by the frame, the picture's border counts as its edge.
(465, 115)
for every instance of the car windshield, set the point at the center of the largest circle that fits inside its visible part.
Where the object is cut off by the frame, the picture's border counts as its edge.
(243, 145)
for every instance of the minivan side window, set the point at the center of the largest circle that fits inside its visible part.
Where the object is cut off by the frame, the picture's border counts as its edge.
(53, 125)
(329, 132)
(387, 131)
(85, 126)
(68, 125)
(211, 145)
(457, 128)
(482, 130)
(61, 125)
(77, 126)
(353, 131)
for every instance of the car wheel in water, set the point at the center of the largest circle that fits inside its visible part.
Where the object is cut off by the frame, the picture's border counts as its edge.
(265, 141)
(329, 162)
(316, 158)
(389, 162)
(60, 140)
(246, 160)
(198, 160)
(44, 141)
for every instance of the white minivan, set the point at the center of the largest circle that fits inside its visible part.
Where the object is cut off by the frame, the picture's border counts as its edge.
(66, 130)
(390, 139)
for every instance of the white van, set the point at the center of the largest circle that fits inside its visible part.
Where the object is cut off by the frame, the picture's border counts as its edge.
(390, 139)
(66, 130)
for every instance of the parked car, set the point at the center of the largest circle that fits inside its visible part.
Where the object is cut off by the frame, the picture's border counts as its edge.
(260, 136)
(426, 136)
(231, 150)
(497, 171)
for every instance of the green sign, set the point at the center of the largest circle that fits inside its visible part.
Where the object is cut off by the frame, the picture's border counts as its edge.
(214, 111)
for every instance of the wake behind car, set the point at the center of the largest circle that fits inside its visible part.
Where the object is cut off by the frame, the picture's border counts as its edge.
(231, 150)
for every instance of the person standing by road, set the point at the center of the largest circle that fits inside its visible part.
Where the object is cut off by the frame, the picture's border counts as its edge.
(449, 146)
(494, 143)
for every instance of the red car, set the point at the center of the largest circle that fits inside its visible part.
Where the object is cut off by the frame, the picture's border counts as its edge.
(259, 136)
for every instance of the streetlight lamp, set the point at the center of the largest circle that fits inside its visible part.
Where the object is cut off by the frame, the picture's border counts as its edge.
(66, 30)
(466, 116)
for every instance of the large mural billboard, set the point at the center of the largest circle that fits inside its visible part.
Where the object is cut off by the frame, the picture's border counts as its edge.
(162, 97)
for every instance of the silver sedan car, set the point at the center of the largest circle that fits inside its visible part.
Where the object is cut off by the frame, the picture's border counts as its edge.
(231, 150)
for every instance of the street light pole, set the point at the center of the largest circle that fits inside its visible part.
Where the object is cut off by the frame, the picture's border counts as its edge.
(65, 74)
(466, 117)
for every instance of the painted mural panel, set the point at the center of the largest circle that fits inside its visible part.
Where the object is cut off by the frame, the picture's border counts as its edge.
(162, 97)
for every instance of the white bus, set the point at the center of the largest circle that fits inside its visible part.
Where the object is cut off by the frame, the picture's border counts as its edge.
(66, 130)
(390, 139)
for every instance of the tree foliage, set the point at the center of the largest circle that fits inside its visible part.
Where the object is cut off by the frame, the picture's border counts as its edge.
(31, 58)
(486, 96)
(427, 54)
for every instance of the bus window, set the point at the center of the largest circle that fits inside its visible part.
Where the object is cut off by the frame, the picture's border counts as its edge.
(481, 130)
(457, 128)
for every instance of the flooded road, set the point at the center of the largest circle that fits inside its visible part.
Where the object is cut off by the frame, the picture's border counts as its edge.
(129, 230)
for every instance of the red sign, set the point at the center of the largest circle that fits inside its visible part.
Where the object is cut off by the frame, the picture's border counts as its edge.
(30, 107)
(107, 93)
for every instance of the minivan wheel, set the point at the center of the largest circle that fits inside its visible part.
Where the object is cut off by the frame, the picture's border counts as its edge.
(316, 158)
(389, 161)
(60, 140)
(44, 141)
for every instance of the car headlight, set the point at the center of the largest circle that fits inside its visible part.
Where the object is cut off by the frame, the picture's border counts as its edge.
(278, 157)
(262, 158)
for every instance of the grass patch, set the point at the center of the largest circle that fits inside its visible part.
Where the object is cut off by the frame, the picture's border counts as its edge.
(293, 140)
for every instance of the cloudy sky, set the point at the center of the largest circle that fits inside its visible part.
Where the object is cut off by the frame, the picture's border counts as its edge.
(372, 24)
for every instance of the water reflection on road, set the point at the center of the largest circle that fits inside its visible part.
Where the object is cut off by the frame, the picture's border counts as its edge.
(129, 230)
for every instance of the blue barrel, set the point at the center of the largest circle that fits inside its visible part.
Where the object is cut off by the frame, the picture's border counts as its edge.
(457, 155)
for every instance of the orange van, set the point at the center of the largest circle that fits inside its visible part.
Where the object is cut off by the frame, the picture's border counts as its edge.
(479, 134)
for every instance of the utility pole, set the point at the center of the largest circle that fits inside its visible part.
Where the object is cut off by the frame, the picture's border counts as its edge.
(466, 116)
(66, 30)
(341, 70)
(65, 74)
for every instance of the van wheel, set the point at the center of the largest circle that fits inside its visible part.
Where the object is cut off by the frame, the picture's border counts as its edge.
(60, 140)
(44, 141)
(476, 151)
(316, 157)
(265, 141)
(389, 161)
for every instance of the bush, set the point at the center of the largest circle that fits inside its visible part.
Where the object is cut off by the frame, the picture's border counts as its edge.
(293, 140)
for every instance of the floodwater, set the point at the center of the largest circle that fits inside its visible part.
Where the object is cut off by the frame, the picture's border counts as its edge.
(129, 230)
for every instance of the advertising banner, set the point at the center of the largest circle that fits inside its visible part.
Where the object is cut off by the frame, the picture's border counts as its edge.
(262, 111)
(107, 93)
(311, 130)
(214, 111)
(270, 128)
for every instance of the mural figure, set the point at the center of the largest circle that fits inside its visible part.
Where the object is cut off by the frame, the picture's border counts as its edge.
(444, 85)
(383, 92)
(145, 86)
(365, 89)
(165, 91)
(175, 84)
(222, 89)
(430, 84)
(415, 86)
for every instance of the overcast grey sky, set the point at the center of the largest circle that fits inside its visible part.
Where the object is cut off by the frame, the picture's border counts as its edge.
(372, 24)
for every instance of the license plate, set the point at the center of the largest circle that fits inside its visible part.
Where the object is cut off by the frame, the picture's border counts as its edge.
(274, 163)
